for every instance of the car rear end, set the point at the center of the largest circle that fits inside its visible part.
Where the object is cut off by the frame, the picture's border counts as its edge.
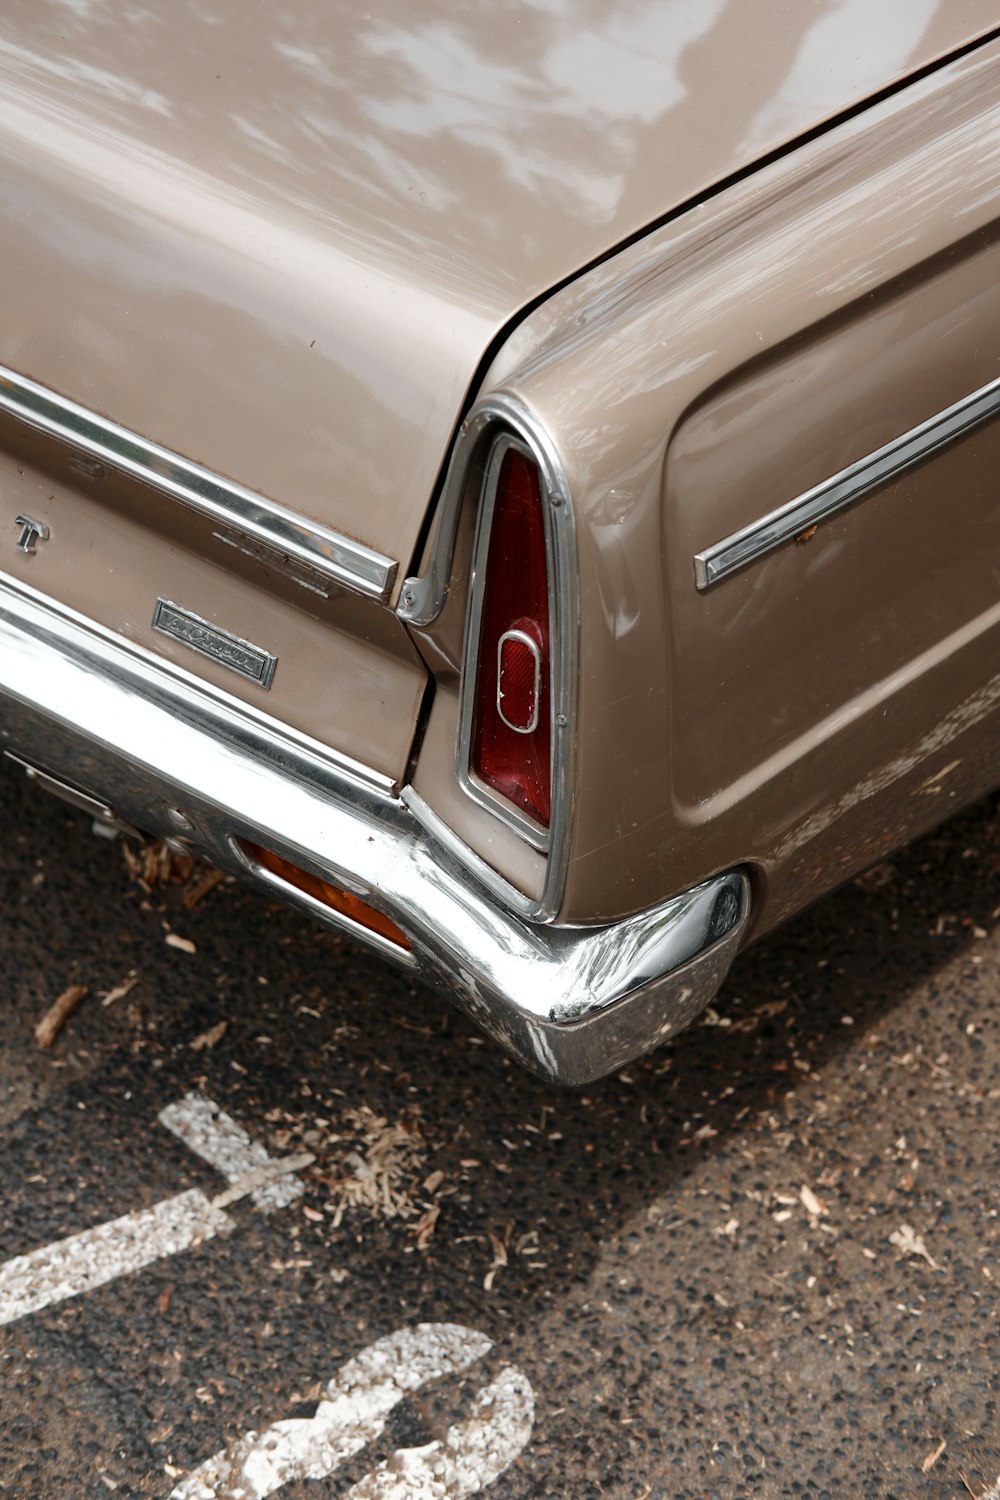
(384, 592)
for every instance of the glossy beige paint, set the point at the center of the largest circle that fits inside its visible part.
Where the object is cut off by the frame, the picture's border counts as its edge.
(811, 713)
(279, 239)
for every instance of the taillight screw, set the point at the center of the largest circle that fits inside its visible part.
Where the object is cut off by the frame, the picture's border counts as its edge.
(561, 721)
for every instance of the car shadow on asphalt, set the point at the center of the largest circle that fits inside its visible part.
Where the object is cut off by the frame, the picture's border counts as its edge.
(353, 1034)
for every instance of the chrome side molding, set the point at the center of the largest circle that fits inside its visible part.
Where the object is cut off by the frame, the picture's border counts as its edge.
(96, 441)
(843, 489)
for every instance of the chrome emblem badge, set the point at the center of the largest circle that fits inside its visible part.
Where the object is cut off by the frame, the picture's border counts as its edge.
(208, 640)
(32, 532)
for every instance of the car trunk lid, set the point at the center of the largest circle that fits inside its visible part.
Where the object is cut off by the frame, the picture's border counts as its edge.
(280, 243)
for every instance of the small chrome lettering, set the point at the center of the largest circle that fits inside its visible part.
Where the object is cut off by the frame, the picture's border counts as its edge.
(32, 532)
(219, 645)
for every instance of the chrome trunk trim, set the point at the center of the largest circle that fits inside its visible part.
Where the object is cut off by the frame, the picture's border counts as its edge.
(422, 597)
(339, 558)
(150, 743)
(853, 483)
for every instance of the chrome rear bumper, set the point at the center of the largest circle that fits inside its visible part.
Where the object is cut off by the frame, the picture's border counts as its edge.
(153, 742)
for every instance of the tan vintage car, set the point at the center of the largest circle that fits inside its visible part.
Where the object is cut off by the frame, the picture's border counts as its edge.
(519, 481)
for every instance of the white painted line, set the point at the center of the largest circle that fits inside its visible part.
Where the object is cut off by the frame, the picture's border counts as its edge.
(96, 1256)
(472, 1456)
(351, 1414)
(225, 1145)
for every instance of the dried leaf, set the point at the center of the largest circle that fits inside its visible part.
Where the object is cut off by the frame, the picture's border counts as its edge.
(58, 1014)
(210, 1037)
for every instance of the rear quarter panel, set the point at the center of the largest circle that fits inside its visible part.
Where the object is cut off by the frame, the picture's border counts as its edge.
(813, 711)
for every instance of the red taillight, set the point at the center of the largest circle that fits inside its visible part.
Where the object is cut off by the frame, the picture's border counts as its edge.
(511, 732)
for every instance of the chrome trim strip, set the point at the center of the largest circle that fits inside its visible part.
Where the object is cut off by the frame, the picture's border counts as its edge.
(105, 823)
(522, 639)
(422, 598)
(301, 898)
(465, 858)
(571, 1002)
(843, 489)
(337, 557)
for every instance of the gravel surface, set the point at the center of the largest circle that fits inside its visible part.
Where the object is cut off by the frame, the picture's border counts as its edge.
(762, 1262)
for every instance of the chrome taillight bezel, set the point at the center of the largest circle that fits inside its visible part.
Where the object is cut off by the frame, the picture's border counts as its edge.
(501, 419)
(507, 812)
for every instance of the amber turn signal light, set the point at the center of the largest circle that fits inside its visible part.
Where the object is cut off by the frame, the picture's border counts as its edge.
(344, 902)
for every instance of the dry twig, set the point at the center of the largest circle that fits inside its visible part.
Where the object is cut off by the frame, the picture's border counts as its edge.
(932, 1458)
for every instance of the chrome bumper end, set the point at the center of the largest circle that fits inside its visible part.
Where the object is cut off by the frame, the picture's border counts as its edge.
(164, 751)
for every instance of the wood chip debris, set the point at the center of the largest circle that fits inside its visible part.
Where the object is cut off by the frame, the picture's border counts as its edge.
(174, 940)
(58, 1014)
(810, 1202)
(156, 863)
(423, 1231)
(932, 1458)
(910, 1243)
(498, 1244)
(210, 1038)
(119, 991)
(197, 889)
(381, 1169)
(159, 862)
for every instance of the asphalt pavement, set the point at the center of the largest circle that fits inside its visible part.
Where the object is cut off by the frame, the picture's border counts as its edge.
(275, 1220)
